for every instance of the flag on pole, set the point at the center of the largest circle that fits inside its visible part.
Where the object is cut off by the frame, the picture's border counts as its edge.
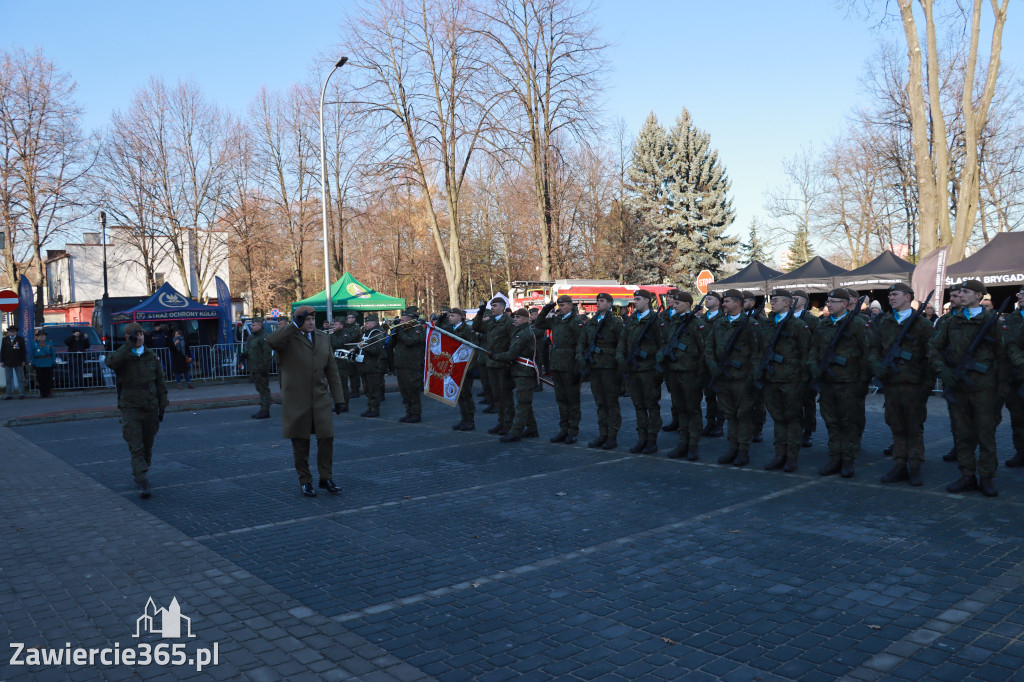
(929, 274)
(445, 366)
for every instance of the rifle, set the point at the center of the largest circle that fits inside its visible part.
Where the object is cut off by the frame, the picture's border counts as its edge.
(728, 350)
(829, 357)
(770, 356)
(892, 358)
(669, 350)
(588, 356)
(635, 353)
(967, 363)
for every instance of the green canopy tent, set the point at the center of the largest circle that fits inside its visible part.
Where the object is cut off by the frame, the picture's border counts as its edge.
(349, 294)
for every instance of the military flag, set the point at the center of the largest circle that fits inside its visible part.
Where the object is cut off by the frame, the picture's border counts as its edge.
(446, 364)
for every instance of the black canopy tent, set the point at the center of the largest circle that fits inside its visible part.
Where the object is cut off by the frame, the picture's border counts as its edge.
(880, 273)
(754, 275)
(816, 276)
(998, 263)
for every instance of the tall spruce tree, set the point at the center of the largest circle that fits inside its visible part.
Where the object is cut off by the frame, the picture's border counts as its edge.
(756, 249)
(646, 191)
(800, 251)
(699, 210)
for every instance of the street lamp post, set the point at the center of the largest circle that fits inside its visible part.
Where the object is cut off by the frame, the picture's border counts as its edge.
(323, 193)
(103, 227)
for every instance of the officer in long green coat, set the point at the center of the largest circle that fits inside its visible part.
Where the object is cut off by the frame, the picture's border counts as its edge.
(457, 325)
(637, 354)
(808, 400)
(732, 373)
(783, 374)
(142, 399)
(1013, 337)
(410, 347)
(370, 348)
(258, 355)
(566, 327)
(842, 384)
(497, 334)
(595, 357)
(906, 381)
(521, 358)
(682, 361)
(975, 398)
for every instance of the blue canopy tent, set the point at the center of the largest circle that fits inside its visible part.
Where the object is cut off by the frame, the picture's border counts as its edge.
(166, 305)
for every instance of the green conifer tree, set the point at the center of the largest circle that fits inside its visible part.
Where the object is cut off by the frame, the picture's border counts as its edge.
(756, 249)
(800, 250)
(646, 191)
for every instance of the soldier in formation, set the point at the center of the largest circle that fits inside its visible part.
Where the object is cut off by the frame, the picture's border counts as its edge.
(596, 358)
(496, 331)
(520, 359)
(410, 345)
(258, 354)
(682, 361)
(637, 352)
(566, 328)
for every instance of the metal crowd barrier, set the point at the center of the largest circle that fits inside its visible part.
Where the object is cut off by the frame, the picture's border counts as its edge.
(88, 370)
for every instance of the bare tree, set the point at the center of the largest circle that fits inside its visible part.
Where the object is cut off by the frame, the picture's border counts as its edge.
(796, 207)
(46, 155)
(548, 57)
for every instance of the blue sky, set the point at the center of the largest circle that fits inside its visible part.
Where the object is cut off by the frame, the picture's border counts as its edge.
(763, 78)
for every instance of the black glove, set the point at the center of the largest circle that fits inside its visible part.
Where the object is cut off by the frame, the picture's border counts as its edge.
(483, 305)
(160, 414)
(337, 408)
(299, 318)
(548, 307)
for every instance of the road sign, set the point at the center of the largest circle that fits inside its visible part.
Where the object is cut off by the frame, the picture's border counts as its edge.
(704, 281)
(274, 312)
(8, 301)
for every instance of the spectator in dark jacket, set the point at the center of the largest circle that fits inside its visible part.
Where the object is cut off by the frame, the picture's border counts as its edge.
(13, 358)
(77, 344)
(181, 360)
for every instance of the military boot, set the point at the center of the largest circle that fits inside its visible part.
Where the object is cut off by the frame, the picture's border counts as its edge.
(805, 440)
(742, 457)
(896, 474)
(611, 443)
(598, 442)
(847, 468)
(143, 487)
(561, 436)
(777, 463)
(949, 456)
(694, 453)
(791, 463)
(1017, 461)
(680, 450)
(965, 483)
(914, 476)
(988, 487)
(729, 457)
(639, 447)
(835, 463)
(651, 447)
(672, 426)
(262, 414)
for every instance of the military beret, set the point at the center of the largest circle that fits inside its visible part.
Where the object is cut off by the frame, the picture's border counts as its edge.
(841, 293)
(133, 328)
(749, 294)
(564, 298)
(733, 293)
(974, 285)
(799, 292)
(901, 286)
(715, 294)
(522, 312)
(457, 311)
(673, 292)
(782, 292)
(371, 317)
(605, 297)
(683, 296)
(499, 299)
(852, 293)
(643, 292)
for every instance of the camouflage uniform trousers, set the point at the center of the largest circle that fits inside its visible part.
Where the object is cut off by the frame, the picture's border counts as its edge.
(759, 411)
(139, 429)
(499, 382)
(262, 383)
(686, 391)
(809, 409)
(974, 420)
(410, 385)
(784, 402)
(567, 395)
(714, 415)
(645, 391)
(369, 372)
(324, 458)
(524, 419)
(842, 409)
(606, 385)
(467, 405)
(906, 409)
(736, 405)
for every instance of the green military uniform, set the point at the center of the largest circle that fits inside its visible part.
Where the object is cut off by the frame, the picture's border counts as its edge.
(682, 359)
(784, 379)
(664, 317)
(370, 368)
(540, 337)
(760, 413)
(467, 406)
(565, 335)
(142, 399)
(637, 353)
(497, 334)
(843, 387)
(410, 347)
(906, 387)
(733, 377)
(522, 344)
(713, 420)
(974, 404)
(1013, 337)
(941, 322)
(345, 339)
(808, 398)
(595, 355)
(258, 354)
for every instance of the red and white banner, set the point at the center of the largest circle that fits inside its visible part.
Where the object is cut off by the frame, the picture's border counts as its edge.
(447, 363)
